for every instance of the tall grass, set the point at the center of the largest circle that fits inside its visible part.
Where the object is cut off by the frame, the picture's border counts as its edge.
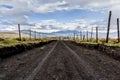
(112, 42)
(15, 41)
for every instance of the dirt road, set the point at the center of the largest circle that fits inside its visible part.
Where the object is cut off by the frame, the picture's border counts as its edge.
(60, 61)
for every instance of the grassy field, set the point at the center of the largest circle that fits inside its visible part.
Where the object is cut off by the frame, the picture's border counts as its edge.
(15, 41)
(10, 35)
(12, 42)
(112, 42)
(11, 39)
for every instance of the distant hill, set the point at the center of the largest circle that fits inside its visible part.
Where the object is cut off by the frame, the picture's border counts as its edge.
(58, 33)
(66, 33)
(10, 35)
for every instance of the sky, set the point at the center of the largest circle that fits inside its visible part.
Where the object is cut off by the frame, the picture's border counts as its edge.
(56, 15)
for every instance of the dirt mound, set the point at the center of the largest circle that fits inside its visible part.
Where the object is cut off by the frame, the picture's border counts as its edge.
(12, 50)
(111, 51)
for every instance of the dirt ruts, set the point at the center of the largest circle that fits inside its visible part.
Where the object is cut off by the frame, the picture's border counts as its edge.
(20, 66)
(70, 62)
(61, 60)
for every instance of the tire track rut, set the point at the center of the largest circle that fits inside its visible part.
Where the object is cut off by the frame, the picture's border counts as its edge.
(18, 67)
(37, 69)
(61, 61)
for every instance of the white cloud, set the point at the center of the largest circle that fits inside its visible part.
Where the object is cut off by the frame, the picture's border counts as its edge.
(48, 26)
(22, 10)
(40, 6)
(53, 25)
(52, 7)
(115, 8)
(7, 28)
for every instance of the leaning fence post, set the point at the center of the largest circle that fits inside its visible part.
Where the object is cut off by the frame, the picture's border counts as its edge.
(35, 34)
(39, 35)
(87, 36)
(81, 34)
(108, 29)
(30, 34)
(96, 34)
(91, 33)
(83, 37)
(19, 32)
(118, 30)
(74, 36)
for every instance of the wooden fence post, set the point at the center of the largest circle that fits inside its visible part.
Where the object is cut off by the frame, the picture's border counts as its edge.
(19, 32)
(35, 34)
(83, 37)
(74, 36)
(87, 36)
(30, 34)
(118, 30)
(108, 29)
(91, 33)
(39, 35)
(96, 34)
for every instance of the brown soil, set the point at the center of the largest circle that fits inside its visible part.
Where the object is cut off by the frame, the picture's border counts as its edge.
(60, 61)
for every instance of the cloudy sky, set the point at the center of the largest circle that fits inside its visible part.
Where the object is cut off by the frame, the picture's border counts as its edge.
(55, 15)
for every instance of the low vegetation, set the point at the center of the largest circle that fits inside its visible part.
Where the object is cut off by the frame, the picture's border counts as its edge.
(18, 48)
(16, 41)
(112, 42)
(111, 49)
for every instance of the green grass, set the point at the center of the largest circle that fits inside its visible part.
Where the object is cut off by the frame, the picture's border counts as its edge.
(4, 43)
(112, 42)
(13, 42)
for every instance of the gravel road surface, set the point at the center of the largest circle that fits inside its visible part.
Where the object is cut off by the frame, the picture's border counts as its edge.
(60, 60)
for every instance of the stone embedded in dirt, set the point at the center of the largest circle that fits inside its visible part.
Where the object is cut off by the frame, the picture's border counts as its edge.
(2, 75)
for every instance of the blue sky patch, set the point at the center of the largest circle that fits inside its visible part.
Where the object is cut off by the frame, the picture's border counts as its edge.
(6, 6)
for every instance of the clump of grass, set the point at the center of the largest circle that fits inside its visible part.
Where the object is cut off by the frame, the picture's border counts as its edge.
(15, 41)
(112, 42)
(8, 42)
(1, 39)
